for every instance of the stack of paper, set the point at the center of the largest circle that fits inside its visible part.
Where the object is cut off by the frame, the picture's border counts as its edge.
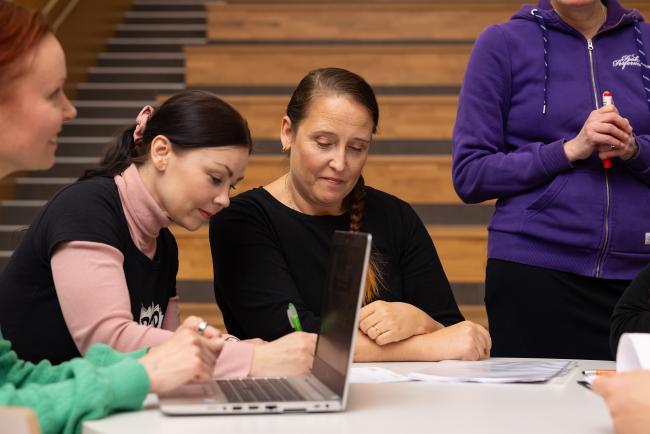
(493, 371)
(375, 374)
(633, 352)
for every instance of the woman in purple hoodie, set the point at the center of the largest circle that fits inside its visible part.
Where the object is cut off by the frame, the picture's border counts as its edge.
(567, 234)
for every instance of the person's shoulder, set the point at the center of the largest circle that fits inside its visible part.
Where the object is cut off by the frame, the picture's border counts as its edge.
(257, 196)
(87, 210)
(382, 198)
(251, 205)
(518, 26)
(391, 207)
(81, 194)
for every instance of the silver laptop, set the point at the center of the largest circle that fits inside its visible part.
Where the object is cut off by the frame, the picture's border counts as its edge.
(326, 388)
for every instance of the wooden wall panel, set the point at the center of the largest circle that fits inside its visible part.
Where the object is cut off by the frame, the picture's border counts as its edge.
(352, 22)
(462, 251)
(281, 65)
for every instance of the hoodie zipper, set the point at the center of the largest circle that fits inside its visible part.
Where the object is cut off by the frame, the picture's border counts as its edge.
(601, 254)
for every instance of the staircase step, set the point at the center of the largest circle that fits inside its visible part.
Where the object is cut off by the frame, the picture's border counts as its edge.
(142, 59)
(96, 126)
(155, 27)
(109, 74)
(10, 236)
(173, 2)
(479, 214)
(109, 109)
(168, 7)
(161, 31)
(151, 15)
(132, 45)
(68, 167)
(40, 188)
(126, 91)
(83, 146)
(19, 212)
(165, 20)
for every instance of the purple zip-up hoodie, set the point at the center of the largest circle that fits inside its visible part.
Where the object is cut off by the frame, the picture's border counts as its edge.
(529, 87)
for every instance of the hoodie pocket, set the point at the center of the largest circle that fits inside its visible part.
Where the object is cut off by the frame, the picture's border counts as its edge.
(548, 195)
(569, 211)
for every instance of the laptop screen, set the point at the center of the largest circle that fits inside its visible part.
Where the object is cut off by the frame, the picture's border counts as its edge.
(347, 275)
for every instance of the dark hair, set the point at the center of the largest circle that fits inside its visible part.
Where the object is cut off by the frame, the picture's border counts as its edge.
(331, 81)
(20, 31)
(340, 82)
(190, 119)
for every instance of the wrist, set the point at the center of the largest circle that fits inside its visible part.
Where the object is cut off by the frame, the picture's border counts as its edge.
(571, 155)
(427, 325)
(635, 147)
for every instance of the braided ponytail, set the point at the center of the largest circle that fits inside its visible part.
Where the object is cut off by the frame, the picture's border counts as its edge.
(356, 202)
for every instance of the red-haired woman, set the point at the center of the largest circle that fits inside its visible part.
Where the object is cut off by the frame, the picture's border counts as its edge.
(32, 110)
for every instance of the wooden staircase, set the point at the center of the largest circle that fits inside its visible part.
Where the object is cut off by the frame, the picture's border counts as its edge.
(253, 53)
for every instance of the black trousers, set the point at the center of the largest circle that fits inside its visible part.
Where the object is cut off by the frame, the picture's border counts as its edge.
(537, 312)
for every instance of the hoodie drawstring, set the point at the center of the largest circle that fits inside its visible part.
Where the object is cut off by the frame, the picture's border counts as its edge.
(540, 20)
(645, 68)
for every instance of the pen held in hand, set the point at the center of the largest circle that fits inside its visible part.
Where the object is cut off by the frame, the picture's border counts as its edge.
(608, 100)
(600, 372)
(294, 319)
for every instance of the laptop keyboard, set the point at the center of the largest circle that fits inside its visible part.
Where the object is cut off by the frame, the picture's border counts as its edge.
(259, 390)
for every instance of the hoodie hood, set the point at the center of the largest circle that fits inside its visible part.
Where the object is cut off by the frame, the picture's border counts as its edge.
(617, 16)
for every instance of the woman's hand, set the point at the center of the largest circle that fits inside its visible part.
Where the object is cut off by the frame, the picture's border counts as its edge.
(290, 355)
(387, 322)
(628, 398)
(192, 323)
(462, 341)
(186, 357)
(606, 132)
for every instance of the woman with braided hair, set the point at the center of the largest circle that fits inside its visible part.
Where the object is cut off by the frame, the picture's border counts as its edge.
(281, 234)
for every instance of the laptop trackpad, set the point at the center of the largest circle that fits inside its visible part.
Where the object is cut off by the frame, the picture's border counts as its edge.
(206, 392)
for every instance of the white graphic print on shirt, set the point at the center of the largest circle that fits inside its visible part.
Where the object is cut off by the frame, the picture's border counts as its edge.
(151, 315)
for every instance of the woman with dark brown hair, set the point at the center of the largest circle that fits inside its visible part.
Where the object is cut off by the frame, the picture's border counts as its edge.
(98, 264)
(281, 234)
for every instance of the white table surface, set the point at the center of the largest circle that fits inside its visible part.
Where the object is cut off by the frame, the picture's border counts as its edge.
(412, 408)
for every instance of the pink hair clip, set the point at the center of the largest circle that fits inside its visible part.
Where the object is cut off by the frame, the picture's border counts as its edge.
(141, 122)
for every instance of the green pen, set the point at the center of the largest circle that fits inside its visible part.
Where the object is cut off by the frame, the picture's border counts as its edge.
(294, 320)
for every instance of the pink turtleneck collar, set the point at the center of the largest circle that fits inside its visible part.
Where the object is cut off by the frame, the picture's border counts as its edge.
(143, 215)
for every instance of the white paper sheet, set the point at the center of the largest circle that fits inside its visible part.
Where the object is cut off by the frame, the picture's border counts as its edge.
(633, 352)
(375, 375)
(493, 371)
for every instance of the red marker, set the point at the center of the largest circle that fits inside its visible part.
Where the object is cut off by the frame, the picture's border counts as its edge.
(608, 100)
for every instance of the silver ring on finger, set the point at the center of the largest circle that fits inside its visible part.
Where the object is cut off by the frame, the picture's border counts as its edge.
(612, 147)
(202, 326)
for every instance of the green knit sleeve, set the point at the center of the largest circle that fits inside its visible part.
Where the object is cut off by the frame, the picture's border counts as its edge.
(64, 396)
(19, 372)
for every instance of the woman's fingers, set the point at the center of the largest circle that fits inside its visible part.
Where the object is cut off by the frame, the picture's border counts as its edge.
(368, 322)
